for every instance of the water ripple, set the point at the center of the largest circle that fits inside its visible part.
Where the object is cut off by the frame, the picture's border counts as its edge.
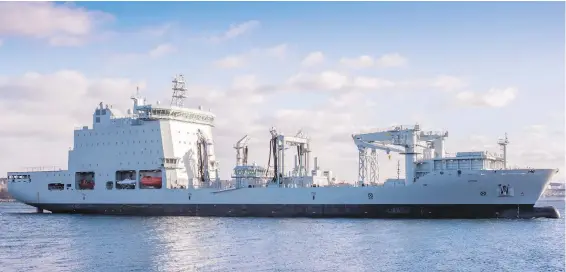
(49, 242)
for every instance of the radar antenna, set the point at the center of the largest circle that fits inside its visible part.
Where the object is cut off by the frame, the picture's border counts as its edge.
(179, 91)
(503, 144)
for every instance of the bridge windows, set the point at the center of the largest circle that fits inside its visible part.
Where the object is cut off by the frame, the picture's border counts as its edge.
(56, 186)
(20, 178)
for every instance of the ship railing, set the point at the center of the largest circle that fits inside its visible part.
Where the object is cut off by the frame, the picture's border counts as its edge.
(433, 132)
(449, 155)
(184, 184)
(494, 155)
(385, 129)
(518, 167)
(42, 169)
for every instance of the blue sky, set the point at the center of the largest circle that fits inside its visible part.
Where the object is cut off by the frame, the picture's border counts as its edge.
(479, 45)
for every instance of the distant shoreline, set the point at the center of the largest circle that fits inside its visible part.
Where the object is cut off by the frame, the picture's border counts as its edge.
(5, 196)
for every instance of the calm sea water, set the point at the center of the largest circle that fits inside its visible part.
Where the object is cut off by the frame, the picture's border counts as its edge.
(49, 242)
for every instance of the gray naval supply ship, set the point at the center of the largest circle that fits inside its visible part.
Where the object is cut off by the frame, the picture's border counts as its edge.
(160, 160)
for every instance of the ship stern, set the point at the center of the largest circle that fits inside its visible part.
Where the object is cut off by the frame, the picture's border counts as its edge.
(22, 188)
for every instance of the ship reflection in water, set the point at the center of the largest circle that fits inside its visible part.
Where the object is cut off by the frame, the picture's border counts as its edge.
(51, 242)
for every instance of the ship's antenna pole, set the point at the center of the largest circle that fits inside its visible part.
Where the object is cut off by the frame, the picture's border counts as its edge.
(136, 98)
(179, 91)
(503, 143)
(398, 168)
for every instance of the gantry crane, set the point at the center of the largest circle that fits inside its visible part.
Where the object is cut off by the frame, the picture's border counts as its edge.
(401, 139)
(279, 143)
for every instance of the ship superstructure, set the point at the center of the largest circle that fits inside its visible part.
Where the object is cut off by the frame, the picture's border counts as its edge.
(424, 154)
(160, 160)
(157, 146)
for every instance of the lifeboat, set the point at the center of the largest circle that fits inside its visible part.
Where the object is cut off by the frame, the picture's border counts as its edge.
(86, 184)
(151, 181)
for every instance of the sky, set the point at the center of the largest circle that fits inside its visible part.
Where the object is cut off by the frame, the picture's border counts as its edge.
(476, 69)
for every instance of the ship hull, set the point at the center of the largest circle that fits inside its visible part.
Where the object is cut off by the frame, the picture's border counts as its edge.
(478, 194)
(290, 210)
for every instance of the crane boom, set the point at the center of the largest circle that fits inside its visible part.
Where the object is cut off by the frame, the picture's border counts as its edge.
(242, 144)
(401, 139)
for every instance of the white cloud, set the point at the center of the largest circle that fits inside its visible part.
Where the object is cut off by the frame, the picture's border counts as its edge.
(278, 51)
(162, 50)
(245, 82)
(158, 30)
(371, 83)
(476, 138)
(63, 100)
(328, 80)
(242, 59)
(538, 131)
(366, 61)
(312, 59)
(236, 30)
(359, 62)
(391, 60)
(59, 24)
(334, 81)
(449, 83)
(230, 62)
(495, 98)
(153, 53)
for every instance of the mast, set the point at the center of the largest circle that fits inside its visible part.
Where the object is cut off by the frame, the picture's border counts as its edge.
(138, 100)
(503, 143)
(179, 91)
(398, 169)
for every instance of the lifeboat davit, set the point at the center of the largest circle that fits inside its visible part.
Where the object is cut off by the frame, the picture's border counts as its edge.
(86, 184)
(151, 181)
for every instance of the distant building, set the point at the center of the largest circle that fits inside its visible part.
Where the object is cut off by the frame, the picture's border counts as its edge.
(555, 189)
(4, 189)
(3, 184)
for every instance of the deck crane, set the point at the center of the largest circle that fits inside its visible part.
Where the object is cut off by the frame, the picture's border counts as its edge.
(202, 156)
(242, 144)
(435, 141)
(401, 139)
(366, 142)
(278, 144)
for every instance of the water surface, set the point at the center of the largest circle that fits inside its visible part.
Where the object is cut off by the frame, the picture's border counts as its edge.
(77, 243)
